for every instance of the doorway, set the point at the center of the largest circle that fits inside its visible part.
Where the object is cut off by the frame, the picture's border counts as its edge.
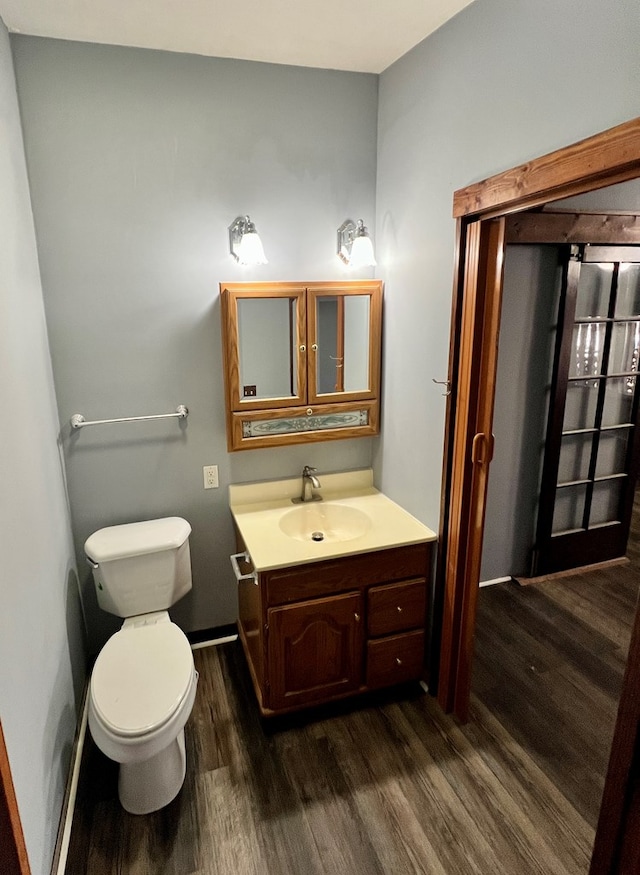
(480, 209)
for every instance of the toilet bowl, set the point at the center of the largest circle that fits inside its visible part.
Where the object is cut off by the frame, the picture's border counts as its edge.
(144, 681)
(140, 697)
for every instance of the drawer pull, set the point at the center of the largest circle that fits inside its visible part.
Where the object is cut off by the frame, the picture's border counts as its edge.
(399, 609)
(357, 617)
(242, 557)
(398, 660)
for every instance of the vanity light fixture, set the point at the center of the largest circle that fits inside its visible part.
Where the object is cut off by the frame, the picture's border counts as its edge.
(245, 244)
(354, 244)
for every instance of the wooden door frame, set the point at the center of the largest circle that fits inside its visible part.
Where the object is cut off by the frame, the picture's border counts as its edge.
(13, 851)
(610, 157)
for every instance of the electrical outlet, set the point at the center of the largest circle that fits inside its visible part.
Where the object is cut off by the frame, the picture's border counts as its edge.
(210, 474)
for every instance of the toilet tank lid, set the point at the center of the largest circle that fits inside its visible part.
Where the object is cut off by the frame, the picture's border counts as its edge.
(136, 539)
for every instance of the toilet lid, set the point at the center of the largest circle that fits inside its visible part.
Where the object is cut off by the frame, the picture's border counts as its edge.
(140, 678)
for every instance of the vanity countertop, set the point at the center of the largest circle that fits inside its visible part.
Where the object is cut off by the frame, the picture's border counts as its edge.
(373, 521)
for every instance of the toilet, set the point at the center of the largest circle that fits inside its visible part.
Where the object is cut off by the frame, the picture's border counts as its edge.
(144, 681)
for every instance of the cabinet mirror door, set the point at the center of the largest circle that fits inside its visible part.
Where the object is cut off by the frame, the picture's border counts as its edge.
(265, 347)
(344, 340)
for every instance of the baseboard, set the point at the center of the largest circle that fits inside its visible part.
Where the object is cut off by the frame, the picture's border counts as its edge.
(495, 581)
(570, 572)
(212, 635)
(61, 850)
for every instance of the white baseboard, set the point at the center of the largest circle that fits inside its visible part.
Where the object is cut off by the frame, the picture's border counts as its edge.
(495, 580)
(63, 849)
(214, 642)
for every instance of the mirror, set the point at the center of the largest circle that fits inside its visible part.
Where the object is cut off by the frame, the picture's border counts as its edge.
(342, 357)
(267, 344)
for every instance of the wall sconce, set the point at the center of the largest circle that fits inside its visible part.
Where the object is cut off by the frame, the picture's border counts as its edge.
(354, 244)
(245, 244)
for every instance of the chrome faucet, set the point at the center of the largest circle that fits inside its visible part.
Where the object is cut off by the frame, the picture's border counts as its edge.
(309, 483)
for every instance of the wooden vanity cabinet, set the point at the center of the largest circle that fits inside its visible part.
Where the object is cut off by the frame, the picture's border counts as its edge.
(335, 628)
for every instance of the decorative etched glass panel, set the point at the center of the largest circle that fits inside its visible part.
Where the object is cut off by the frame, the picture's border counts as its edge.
(592, 300)
(586, 350)
(628, 297)
(294, 424)
(580, 406)
(605, 504)
(568, 512)
(612, 452)
(618, 401)
(625, 348)
(575, 456)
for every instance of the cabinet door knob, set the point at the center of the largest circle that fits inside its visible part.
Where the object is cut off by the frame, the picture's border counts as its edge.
(357, 617)
(314, 347)
(399, 609)
(303, 348)
(398, 660)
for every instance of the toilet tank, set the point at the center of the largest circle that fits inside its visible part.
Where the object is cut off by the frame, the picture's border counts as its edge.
(140, 567)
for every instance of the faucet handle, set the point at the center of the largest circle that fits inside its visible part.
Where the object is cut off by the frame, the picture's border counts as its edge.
(308, 470)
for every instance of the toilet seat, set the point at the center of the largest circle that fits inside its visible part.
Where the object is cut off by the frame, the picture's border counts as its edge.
(141, 678)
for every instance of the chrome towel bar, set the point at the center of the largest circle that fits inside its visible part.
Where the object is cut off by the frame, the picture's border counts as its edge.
(78, 420)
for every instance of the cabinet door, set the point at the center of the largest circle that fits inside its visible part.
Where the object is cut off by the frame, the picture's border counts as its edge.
(264, 343)
(315, 650)
(344, 328)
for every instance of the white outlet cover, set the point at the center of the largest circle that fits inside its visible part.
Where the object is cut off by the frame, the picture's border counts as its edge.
(210, 476)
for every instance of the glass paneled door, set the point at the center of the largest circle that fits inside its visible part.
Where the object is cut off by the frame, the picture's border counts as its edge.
(591, 450)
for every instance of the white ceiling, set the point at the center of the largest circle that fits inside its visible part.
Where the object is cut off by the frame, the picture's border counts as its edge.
(360, 35)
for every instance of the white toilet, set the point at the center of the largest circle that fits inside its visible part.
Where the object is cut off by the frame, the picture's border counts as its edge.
(144, 681)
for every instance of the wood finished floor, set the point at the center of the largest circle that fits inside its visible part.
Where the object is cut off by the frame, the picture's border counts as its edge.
(389, 784)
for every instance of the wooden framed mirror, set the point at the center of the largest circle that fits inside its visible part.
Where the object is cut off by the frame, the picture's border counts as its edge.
(301, 361)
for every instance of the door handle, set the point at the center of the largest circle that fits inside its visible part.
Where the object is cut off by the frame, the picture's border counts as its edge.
(482, 449)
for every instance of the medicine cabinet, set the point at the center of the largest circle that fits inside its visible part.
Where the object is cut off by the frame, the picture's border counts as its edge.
(301, 361)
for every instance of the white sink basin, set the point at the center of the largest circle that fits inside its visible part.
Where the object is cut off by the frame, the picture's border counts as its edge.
(353, 518)
(325, 522)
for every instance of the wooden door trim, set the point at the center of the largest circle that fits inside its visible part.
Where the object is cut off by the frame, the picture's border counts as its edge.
(480, 317)
(604, 159)
(13, 851)
(616, 848)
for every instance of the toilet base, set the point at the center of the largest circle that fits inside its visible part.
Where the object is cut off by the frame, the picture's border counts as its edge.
(149, 785)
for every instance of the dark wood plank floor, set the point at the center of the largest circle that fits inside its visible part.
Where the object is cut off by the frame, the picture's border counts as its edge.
(389, 784)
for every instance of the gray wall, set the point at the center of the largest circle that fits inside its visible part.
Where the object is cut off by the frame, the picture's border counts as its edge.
(138, 162)
(527, 337)
(41, 652)
(501, 83)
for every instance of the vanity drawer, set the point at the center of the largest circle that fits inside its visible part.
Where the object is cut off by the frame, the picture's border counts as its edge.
(395, 659)
(294, 583)
(396, 607)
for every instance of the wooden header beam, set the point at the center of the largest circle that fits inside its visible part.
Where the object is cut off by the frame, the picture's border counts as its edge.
(567, 227)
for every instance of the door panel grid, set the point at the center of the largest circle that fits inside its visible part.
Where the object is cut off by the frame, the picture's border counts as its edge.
(591, 447)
